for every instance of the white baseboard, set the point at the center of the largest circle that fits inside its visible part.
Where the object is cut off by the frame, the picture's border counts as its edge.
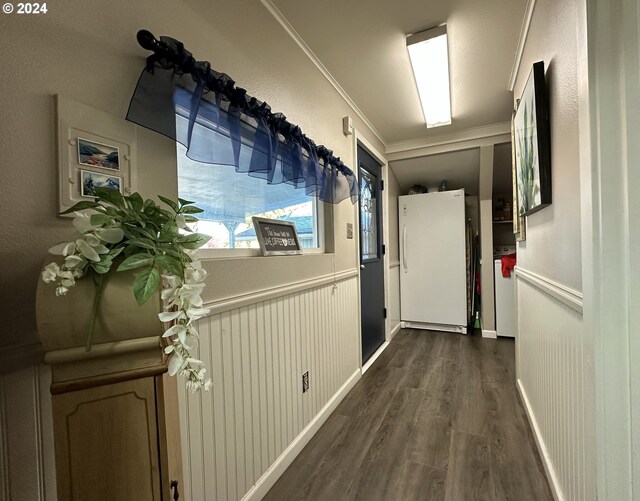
(266, 481)
(489, 334)
(395, 330)
(374, 357)
(542, 448)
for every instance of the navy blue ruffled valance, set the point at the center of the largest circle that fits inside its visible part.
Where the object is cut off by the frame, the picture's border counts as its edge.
(219, 123)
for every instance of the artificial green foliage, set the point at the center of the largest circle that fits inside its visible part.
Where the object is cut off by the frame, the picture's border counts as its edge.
(154, 238)
(527, 189)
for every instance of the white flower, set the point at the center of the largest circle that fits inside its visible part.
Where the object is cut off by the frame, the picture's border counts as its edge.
(61, 291)
(176, 364)
(196, 313)
(168, 316)
(207, 385)
(50, 273)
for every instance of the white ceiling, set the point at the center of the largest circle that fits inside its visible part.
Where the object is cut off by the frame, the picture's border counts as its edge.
(362, 44)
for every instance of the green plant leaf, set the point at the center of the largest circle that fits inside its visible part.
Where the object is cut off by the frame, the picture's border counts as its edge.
(193, 241)
(143, 243)
(103, 266)
(100, 219)
(85, 204)
(111, 196)
(135, 201)
(136, 261)
(191, 210)
(185, 202)
(171, 264)
(169, 202)
(115, 252)
(145, 284)
(168, 232)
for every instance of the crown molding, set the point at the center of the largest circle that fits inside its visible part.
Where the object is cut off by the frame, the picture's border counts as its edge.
(468, 138)
(278, 16)
(524, 32)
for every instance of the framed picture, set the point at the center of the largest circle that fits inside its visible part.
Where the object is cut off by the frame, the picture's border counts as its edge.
(98, 155)
(276, 238)
(90, 180)
(532, 145)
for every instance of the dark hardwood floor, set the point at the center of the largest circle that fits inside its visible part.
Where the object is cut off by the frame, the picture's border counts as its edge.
(437, 417)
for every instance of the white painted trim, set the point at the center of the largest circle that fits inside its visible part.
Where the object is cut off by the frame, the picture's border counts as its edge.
(570, 297)
(522, 40)
(278, 16)
(542, 449)
(269, 478)
(233, 302)
(395, 330)
(5, 487)
(38, 432)
(487, 134)
(462, 329)
(394, 264)
(374, 357)
(487, 334)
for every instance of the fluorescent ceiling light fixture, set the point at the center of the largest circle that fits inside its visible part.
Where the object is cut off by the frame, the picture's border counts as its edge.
(430, 61)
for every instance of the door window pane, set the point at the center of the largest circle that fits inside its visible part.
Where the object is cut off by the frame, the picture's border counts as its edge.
(368, 215)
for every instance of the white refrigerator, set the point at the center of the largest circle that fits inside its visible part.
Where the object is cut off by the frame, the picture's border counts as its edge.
(433, 269)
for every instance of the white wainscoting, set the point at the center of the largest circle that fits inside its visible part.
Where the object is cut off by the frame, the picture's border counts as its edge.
(550, 367)
(238, 438)
(26, 436)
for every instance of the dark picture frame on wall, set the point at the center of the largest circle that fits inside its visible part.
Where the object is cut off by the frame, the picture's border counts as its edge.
(532, 144)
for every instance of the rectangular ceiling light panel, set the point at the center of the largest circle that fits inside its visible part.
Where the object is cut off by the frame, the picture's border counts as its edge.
(430, 61)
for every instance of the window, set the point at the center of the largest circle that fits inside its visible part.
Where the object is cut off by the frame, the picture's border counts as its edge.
(230, 199)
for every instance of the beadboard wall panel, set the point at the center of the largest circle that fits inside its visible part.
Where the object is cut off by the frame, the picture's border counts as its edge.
(550, 367)
(256, 412)
(26, 436)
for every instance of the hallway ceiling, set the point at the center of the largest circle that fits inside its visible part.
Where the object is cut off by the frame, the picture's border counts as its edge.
(362, 44)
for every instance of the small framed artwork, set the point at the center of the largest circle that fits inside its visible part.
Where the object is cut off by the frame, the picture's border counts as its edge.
(276, 238)
(98, 155)
(94, 149)
(532, 145)
(89, 180)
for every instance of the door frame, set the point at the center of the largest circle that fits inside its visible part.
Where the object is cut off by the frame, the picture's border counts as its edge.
(359, 140)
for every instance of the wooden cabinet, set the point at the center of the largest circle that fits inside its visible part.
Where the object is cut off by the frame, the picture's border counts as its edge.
(117, 441)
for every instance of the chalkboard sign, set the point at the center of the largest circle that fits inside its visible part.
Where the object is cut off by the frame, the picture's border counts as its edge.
(276, 238)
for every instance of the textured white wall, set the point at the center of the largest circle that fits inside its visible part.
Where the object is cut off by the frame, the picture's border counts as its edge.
(553, 247)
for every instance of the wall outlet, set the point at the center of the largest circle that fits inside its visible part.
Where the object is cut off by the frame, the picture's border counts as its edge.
(349, 230)
(305, 382)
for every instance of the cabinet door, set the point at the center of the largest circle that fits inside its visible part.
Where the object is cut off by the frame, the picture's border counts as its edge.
(106, 440)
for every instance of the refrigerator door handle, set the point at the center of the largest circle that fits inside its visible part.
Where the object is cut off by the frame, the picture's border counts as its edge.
(404, 248)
